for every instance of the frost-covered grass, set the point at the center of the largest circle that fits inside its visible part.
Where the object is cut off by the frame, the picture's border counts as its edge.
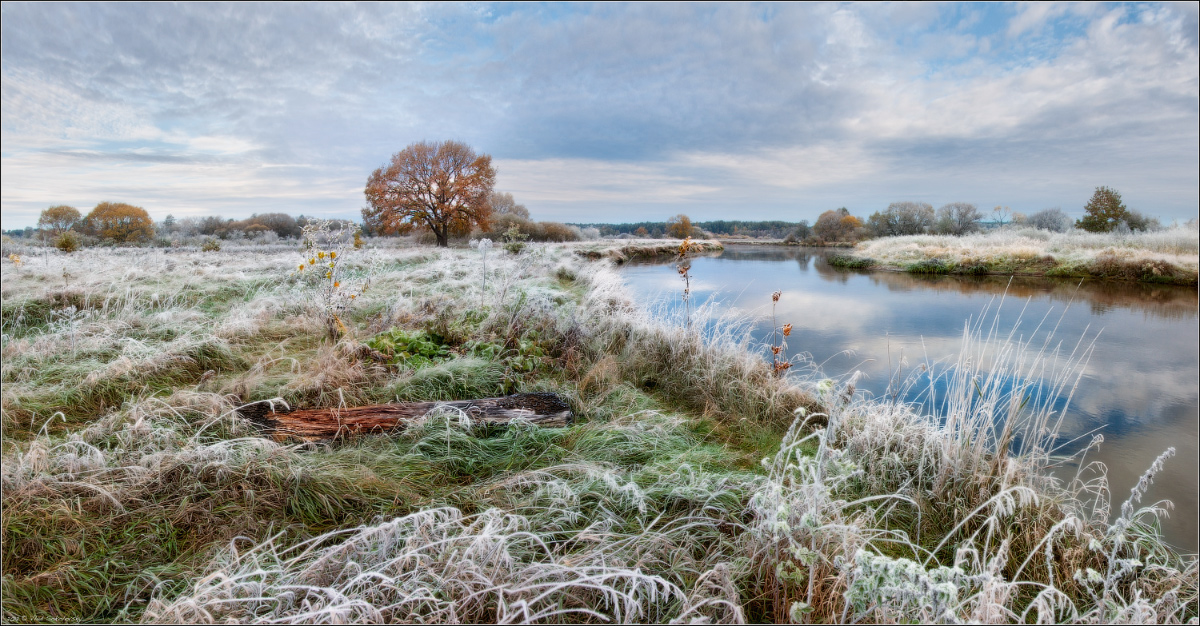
(1168, 256)
(695, 485)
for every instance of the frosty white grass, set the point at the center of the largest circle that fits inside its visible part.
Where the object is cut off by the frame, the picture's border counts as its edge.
(866, 511)
(1179, 246)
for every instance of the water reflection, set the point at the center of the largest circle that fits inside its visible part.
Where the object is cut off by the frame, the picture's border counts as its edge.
(1140, 385)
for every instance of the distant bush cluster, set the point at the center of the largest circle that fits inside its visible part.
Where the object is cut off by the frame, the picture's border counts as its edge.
(534, 231)
(118, 223)
(919, 218)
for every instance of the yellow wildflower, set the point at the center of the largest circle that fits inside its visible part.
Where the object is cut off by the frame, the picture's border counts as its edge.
(333, 255)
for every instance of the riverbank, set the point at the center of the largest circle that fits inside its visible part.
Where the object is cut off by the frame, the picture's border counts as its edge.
(746, 241)
(695, 484)
(642, 249)
(1167, 257)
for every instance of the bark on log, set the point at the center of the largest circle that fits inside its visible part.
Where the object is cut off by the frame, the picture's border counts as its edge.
(544, 409)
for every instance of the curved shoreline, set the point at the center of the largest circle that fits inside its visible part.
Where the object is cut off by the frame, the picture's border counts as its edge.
(1156, 272)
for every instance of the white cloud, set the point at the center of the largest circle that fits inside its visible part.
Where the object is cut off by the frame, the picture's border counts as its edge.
(1033, 16)
(228, 188)
(39, 111)
(634, 110)
(223, 145)
(593, 180)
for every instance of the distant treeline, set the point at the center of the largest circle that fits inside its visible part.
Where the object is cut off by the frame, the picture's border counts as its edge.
(126, 224)
(774, 229)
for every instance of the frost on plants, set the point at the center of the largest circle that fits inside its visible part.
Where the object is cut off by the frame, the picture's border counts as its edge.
(483, 245)
(324, 245)
(683, 265)
(133, 491)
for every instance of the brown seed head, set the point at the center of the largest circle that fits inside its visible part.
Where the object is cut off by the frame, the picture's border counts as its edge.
(775, 296)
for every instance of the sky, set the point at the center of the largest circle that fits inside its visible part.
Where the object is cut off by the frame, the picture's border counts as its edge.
(602, 113)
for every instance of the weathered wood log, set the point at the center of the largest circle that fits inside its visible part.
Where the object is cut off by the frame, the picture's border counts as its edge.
(544, 409)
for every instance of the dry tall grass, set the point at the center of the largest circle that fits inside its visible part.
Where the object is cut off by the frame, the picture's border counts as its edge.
(133, 492)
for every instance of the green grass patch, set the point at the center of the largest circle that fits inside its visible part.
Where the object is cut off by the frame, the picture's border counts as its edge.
(929, 266)
(849, 262)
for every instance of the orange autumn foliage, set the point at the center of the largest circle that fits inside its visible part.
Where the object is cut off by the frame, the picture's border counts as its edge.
(59, 219)
(442, 187)
(679, 226)
(120, 222)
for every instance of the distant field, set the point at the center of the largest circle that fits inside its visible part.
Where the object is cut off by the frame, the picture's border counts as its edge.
(695, 485)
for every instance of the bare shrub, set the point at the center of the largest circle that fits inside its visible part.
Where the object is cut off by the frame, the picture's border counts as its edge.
(1054, 220)
(958, 218)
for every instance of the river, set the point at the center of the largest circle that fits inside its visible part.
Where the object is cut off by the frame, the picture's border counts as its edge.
(1139, 389)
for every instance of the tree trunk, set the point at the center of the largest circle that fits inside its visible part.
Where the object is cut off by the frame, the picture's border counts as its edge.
(543, 409)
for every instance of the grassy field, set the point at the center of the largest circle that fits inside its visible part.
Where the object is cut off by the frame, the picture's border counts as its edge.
(694, 486)
(1168, 256)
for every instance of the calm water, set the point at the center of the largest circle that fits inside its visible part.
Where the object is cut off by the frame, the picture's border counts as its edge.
(1139, 388)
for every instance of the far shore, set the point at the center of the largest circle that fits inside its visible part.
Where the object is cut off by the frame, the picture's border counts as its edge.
(1165, 257)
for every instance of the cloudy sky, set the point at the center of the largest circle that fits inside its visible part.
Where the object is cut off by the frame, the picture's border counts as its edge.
(600, 112)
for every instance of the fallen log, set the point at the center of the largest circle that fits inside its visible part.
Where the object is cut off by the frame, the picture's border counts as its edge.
(543, 409)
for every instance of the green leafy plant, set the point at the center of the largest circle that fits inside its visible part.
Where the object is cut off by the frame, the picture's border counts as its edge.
(523, 358)
(929, 266)
(514, 239)
(1104, 211)
(68, 241)
(849, 262)
(410, 349)
(211, 245)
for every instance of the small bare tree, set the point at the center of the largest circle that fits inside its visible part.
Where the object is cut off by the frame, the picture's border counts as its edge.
(503, 204)
(1000, 214)
(958, 218)
(902, 218)
(1054, 220)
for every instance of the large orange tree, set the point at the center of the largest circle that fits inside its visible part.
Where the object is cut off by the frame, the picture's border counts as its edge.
(120, 222)
(443, 187)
